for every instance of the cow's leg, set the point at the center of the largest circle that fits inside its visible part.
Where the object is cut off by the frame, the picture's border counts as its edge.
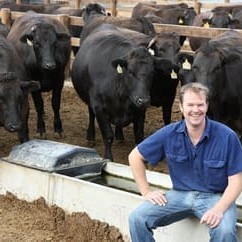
(39, 106)
(167, 109)
(23, 134)
(138, 125)
(170, 94)
(91, 126)
(107, 133)
(119, 135)
(55, 101)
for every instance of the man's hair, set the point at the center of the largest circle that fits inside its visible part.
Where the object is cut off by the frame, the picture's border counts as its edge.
(194, 87)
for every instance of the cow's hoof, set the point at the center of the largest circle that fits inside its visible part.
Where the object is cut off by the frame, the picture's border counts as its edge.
(41, 135)
(59, 135)
(91, 143)
(120, 141)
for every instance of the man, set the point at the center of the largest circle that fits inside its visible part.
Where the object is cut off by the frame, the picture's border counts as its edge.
(205, 164)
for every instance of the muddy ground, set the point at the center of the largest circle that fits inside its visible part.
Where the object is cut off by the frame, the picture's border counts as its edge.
(23, 221)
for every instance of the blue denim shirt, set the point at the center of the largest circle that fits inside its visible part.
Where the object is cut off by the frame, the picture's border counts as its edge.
(204, 167)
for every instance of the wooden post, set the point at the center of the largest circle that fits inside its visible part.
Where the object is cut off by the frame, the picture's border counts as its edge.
(114, 8)
(18, 1)
(6, 17)
(64, 19)
(197, 6)
(78, 4)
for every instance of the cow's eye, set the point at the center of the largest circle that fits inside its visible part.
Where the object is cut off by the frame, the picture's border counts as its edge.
(216, 69)
(177, 50)
(131, 73)
(37, 45)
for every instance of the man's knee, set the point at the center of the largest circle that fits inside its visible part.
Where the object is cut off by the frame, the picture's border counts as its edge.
(223, 233)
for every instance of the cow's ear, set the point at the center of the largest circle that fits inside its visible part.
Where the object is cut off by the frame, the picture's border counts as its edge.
(27, 38)
(206, 22)
(30, 86)
(184, 60)
(228, 57)
(63, 36)
(166, 66)
(119, 65)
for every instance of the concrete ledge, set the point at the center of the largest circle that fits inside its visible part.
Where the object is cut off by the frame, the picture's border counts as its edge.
(99, 202)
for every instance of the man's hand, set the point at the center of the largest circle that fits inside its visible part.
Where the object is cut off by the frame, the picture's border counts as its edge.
(156, 197)
(212, 218)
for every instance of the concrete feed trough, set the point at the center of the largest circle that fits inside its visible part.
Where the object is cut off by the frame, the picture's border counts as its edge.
(56, 177)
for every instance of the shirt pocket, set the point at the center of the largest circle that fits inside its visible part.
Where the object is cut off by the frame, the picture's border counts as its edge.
(216, 173)
(177, 162)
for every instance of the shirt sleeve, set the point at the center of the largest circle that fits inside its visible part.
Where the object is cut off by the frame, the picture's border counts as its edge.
(234, 155)
(153, 148)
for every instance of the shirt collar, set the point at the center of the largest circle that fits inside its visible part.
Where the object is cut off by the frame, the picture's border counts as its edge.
(182, 128)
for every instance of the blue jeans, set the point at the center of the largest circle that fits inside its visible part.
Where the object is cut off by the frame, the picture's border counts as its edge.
(181, 204)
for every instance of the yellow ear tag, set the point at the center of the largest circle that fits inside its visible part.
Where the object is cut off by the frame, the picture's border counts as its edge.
(173, 75)
(119, 69)
(206, 25)
(152, 52)
(186, 65)
(181, 21)
(29, 42)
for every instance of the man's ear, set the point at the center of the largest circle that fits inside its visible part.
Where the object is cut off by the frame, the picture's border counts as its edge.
(180, 107)
(207, 107)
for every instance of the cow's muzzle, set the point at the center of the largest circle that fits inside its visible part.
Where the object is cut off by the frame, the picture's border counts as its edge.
(13, 127)
(141, 102)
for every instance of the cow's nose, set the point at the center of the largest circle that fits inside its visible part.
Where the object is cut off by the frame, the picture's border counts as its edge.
(49, 66)
(13, 128)
(143, 102)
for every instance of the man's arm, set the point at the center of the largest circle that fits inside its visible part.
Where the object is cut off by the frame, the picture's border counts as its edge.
(137, 164)
(214, 215)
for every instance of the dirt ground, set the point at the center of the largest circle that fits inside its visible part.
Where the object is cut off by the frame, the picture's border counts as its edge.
(22, 221)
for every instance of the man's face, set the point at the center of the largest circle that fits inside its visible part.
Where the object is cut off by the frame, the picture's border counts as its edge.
(194, 108)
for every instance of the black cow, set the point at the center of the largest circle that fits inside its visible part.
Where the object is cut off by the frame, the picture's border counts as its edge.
(211, 19)
(139, 24)
(218, 65)
(184, 62)
(88, 12)
(164, 85)
(14, 88)
(38, 8)
(4, 30)
(115, 83)
(44, 46)
(93, 10)
(144, 8)
(179, 14)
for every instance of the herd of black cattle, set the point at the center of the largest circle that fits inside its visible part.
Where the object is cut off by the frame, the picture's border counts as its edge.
(121, 66)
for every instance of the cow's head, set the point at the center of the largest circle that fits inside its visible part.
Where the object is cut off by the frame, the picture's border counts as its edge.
(210, 62)
(135, 72)
(13, 93)
(219, 19)
(166, 45)
(184, 61)
(45, 42)
(93, 10)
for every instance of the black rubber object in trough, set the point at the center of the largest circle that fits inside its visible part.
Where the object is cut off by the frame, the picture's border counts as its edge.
(57, 157)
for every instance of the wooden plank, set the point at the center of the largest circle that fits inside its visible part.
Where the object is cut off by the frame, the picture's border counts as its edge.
(192, 31)
(189, 31)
